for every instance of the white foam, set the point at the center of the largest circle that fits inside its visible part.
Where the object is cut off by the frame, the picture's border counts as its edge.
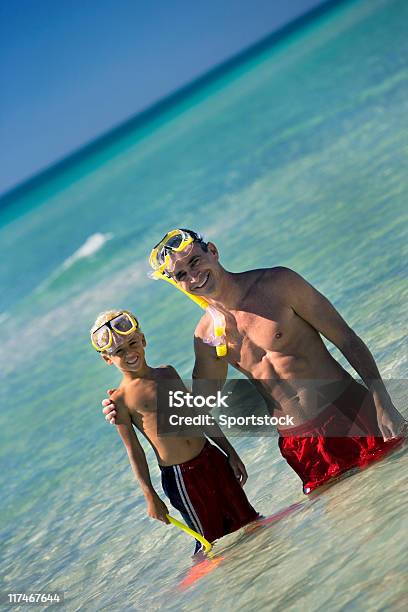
(56, 323)
(91, 246)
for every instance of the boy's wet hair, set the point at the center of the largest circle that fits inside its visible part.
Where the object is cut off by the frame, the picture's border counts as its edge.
(106, 316)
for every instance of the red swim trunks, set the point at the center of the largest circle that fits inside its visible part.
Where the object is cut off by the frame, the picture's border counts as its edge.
(207, 494)
(343, 436)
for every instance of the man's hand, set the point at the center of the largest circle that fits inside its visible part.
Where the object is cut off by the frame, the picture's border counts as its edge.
(238, 468)
(390, 421)
(156, 508)
(109, 409)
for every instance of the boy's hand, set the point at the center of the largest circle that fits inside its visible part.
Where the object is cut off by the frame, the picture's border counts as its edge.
(157, 509)
(109, 409)
(238, 468)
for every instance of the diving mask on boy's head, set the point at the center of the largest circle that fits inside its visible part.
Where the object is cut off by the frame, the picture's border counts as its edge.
(112, 331)
(175, 244)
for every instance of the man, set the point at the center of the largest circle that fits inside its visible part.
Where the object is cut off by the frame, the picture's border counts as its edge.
(274, 322)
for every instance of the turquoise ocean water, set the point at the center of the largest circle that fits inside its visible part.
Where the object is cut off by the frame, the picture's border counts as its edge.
(297, 157)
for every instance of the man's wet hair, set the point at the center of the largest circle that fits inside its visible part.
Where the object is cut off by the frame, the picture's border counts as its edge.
(197, 238)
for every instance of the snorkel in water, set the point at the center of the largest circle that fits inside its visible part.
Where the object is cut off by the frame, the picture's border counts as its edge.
(179, 243)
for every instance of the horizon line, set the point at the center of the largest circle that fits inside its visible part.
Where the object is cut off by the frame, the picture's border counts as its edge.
(168, 101)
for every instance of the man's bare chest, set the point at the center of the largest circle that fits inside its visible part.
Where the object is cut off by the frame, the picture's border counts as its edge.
(252, 335)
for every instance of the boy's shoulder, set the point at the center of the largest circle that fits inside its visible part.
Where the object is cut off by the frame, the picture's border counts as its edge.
(118, 395)
(166, 372)
(129, 394)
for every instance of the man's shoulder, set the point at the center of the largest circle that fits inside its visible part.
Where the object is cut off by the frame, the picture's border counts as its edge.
(274, 273)
(268, 280)
(270, 285)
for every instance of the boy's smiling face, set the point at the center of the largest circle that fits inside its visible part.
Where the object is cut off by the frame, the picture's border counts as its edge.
(127, 352)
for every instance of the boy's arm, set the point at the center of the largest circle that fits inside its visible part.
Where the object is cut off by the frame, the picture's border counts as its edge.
(156, 508)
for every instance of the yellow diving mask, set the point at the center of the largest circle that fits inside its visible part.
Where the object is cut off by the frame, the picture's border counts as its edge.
(122, 324)
(179, 243)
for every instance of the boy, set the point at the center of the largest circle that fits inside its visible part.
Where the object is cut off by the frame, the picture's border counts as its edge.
(203, 483)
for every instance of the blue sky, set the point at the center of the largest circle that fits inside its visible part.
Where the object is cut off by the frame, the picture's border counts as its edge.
(72, 69)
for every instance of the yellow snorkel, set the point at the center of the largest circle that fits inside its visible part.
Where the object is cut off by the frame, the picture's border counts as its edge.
(207, 546)
(157, 275)
(177, 241)
(218, 340)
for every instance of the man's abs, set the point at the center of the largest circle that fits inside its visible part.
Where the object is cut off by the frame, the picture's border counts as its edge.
(300, 383)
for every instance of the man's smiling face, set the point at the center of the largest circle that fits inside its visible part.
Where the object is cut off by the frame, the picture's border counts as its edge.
(199, 271)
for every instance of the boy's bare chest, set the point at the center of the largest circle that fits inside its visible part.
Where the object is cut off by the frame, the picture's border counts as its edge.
(142, 404)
